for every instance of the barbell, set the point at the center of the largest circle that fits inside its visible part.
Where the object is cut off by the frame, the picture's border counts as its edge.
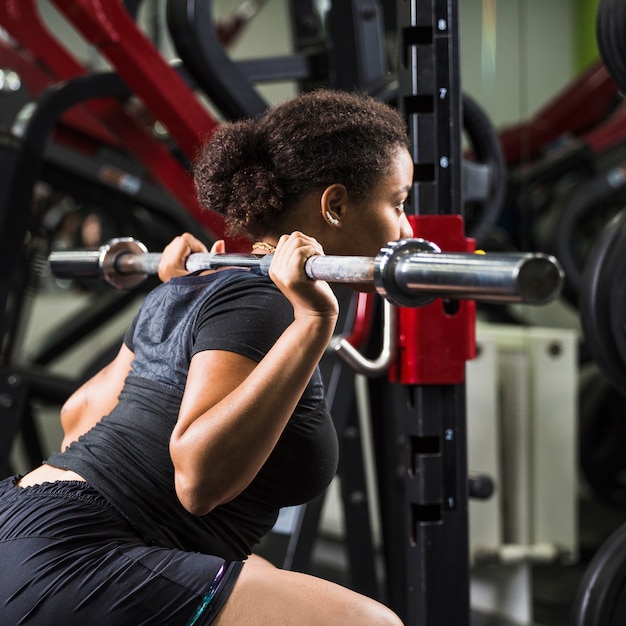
(407, 272)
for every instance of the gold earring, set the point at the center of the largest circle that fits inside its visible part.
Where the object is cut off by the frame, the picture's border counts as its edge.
(331, 219)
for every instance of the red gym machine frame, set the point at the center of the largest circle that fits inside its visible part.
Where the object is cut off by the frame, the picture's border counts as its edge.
(146, 74)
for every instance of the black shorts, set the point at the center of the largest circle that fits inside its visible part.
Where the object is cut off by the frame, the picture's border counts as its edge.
(69, 558)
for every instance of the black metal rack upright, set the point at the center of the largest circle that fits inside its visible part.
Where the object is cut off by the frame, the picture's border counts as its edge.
(424, 474)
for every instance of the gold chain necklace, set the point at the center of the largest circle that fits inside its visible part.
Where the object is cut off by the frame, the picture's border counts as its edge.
(264, 246)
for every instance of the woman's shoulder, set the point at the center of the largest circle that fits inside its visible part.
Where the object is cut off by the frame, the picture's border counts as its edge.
(230, 288)
(220, 278)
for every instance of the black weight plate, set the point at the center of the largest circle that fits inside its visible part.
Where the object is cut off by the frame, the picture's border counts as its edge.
(610, 24)
(595, 302)
(587, 207)
(600, 597)
(617, 288)
(487, 150)
(617, 23)
(602, 431)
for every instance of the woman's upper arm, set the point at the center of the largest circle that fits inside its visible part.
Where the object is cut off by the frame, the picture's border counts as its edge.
(96, 397)
(225, 370)
(213, 377)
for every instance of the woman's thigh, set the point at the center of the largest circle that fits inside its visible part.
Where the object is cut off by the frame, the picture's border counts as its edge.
(267, 596)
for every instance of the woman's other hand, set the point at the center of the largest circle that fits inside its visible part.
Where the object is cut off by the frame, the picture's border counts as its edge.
(175, 254)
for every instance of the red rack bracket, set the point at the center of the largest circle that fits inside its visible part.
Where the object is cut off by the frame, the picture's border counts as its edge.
(435, 341)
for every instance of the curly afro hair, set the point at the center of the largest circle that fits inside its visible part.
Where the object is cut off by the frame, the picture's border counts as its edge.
(254, 171)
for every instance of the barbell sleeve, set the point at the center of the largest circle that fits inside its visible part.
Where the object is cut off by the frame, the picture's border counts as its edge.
(408, 272)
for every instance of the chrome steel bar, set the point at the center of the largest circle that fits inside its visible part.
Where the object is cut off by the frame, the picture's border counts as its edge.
(527, 278)
(409, 272)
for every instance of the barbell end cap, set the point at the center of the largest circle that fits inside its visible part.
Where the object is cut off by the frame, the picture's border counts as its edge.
(540, 280)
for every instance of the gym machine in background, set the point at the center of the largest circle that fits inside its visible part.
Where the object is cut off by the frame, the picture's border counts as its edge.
(601, 596)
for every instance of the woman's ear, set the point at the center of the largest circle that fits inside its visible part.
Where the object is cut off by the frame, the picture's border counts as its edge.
(333, 204)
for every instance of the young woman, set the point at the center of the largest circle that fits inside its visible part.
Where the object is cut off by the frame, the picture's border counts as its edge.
(179, 454)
